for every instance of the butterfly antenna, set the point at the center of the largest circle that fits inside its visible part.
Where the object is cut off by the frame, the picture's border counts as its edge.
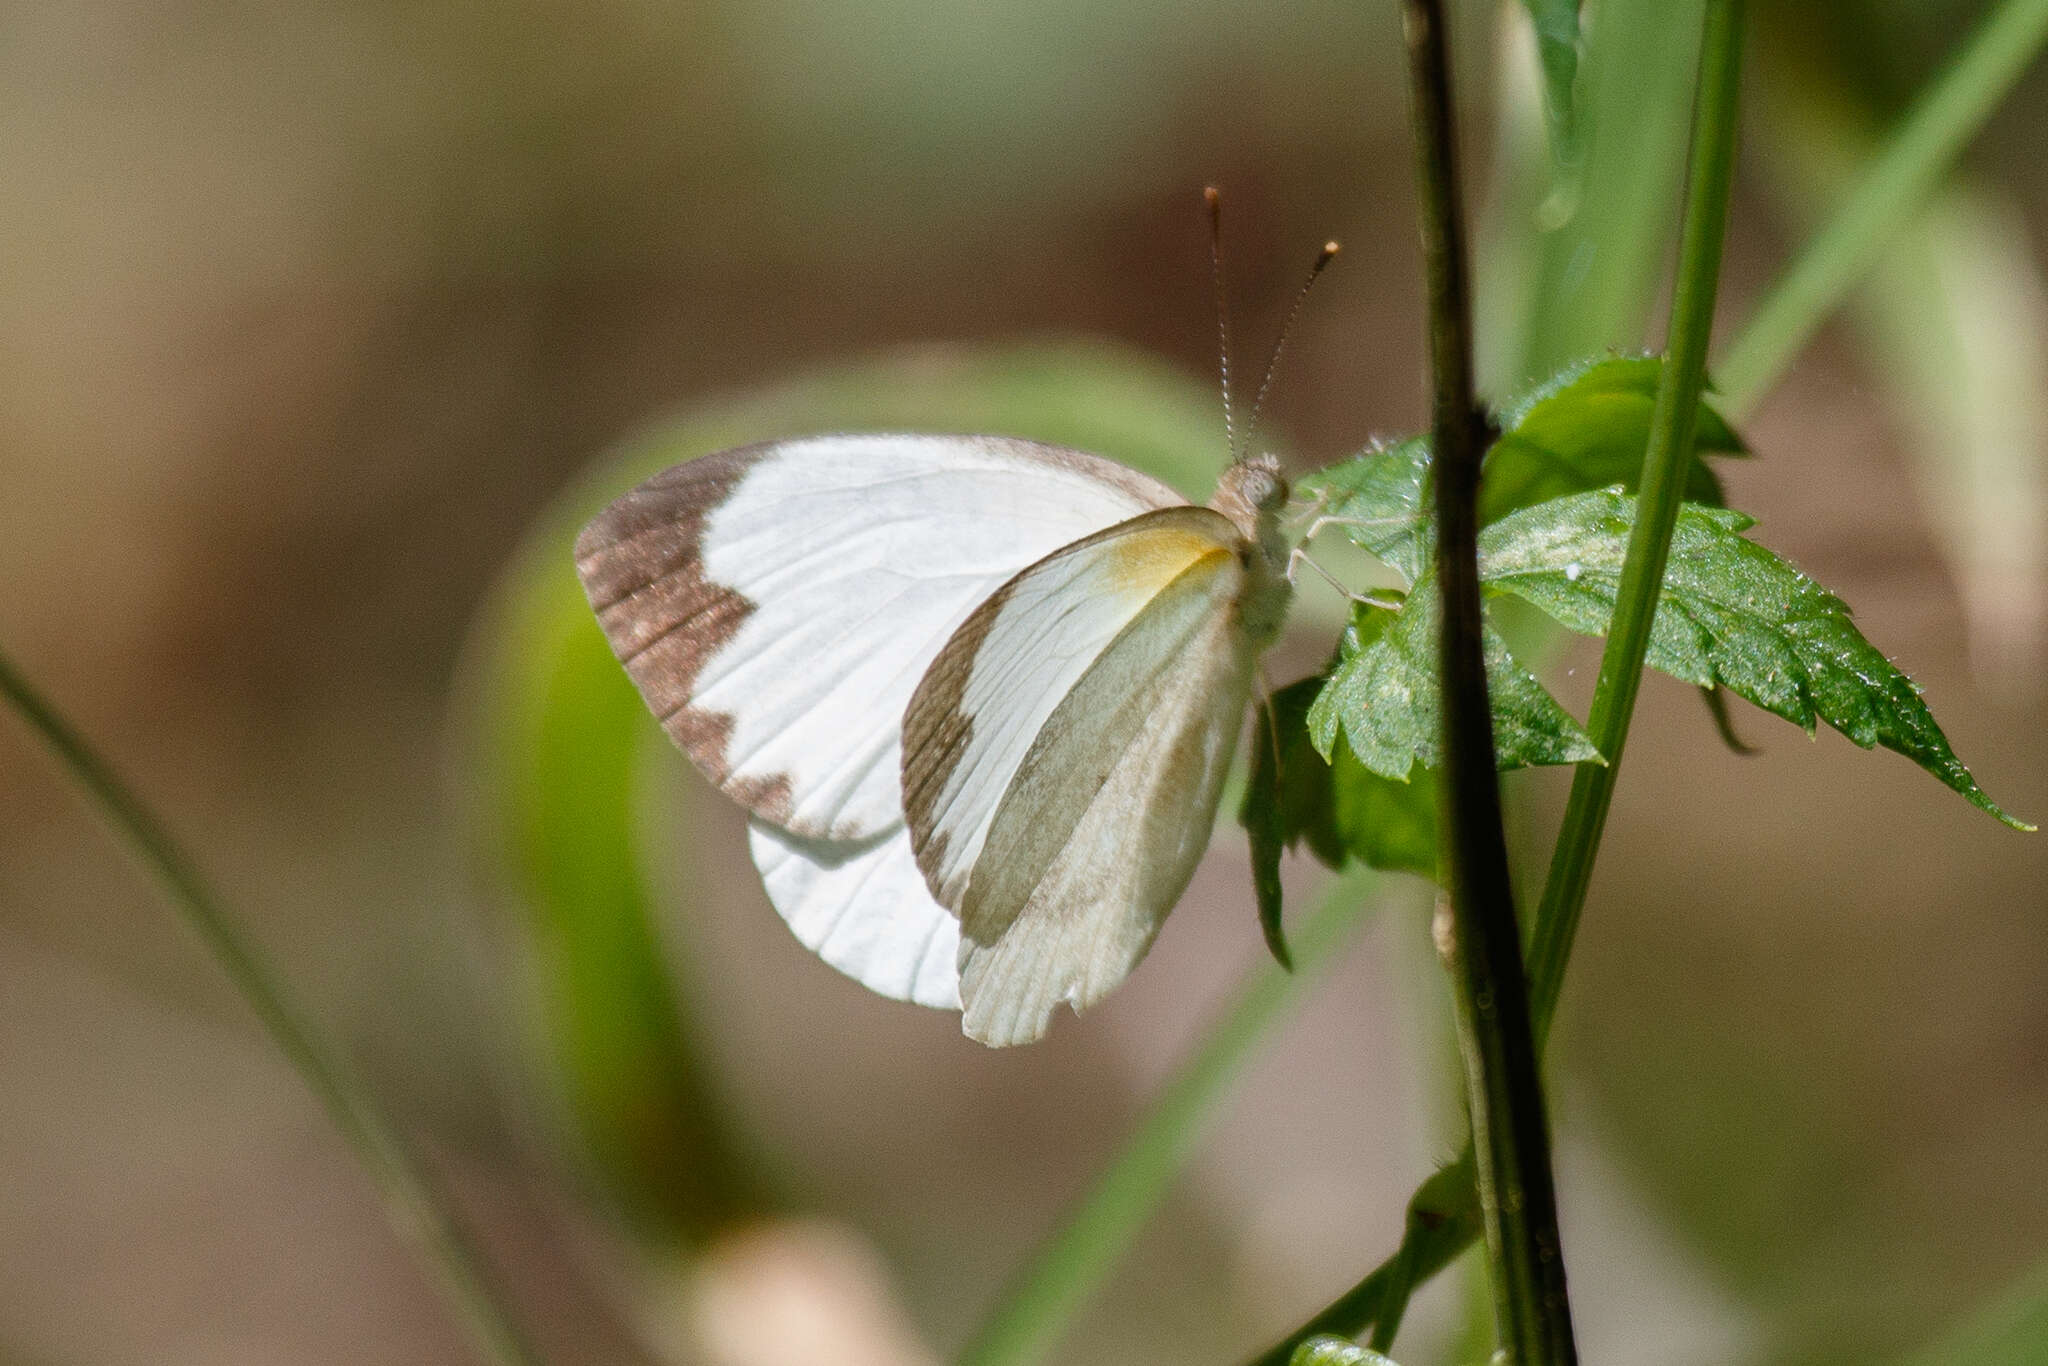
(1213, 197)
(1323, 259)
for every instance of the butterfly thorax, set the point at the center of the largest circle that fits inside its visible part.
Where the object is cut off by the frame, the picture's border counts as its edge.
(1252, 493)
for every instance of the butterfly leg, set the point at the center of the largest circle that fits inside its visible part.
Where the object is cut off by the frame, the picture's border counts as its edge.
(1300, 556)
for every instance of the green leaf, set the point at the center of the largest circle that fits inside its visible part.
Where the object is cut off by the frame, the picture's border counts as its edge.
(1260, 815)
(1586, 428)
(1287, 801)
(1334, 1351)
(1386, 823)
(1557, 53)
(563, 744)
(1378, 498)
(1732, 615)
(1383, 697)
(1336, 807)
(1724, 724)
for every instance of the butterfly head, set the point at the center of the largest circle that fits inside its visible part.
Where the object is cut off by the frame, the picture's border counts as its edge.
(1252, 493)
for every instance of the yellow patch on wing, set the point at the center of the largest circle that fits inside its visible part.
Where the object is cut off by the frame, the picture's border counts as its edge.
(1144, 562)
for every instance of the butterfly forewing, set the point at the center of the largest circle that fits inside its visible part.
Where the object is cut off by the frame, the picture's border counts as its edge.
(1063, 756)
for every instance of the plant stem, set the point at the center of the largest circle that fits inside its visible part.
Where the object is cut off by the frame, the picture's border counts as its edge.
(1476, 930)
(1942, 120)
(1095, 1233)
(1665, 465)
(417, 1207)
(1919, 152)
(1429, 1243)
(1442, 1222)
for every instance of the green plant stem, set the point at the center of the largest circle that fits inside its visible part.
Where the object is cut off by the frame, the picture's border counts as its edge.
(418, 1208)
(1665, 465)
(1476, 930)
(1442, 1222)
(1042, 1298)
(1431, 1242)
(1918, 153)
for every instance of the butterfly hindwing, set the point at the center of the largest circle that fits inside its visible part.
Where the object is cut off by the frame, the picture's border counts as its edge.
(1063, 756)
(862, 906)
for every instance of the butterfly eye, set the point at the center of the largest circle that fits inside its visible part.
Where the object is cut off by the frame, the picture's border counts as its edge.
(1269, 493)
(1262, 484)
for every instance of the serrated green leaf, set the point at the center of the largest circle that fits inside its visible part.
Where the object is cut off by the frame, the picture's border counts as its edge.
(1586, 428)
(1378, 499)
(1582, 429)
(1557, 54)
(1304, 805)
(1732, 615)
(1326, 1350)
(1383, 697)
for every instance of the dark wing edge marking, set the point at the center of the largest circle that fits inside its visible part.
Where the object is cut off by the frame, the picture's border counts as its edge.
(641, 564)
(1022, 951)
(936, 729)
(1022, 841)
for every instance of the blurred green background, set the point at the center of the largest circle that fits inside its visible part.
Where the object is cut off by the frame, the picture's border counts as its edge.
(317, 321)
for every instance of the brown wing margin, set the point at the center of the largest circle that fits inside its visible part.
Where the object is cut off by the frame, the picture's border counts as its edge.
(642, 567)
(641, 564)
(937, 729)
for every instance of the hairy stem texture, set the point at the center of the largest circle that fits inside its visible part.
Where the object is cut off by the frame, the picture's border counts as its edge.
(1476, 930)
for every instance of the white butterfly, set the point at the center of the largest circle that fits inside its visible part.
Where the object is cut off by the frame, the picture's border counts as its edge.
(978, 694)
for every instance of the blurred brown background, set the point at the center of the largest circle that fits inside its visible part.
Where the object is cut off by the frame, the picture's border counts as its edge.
(309, 309)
